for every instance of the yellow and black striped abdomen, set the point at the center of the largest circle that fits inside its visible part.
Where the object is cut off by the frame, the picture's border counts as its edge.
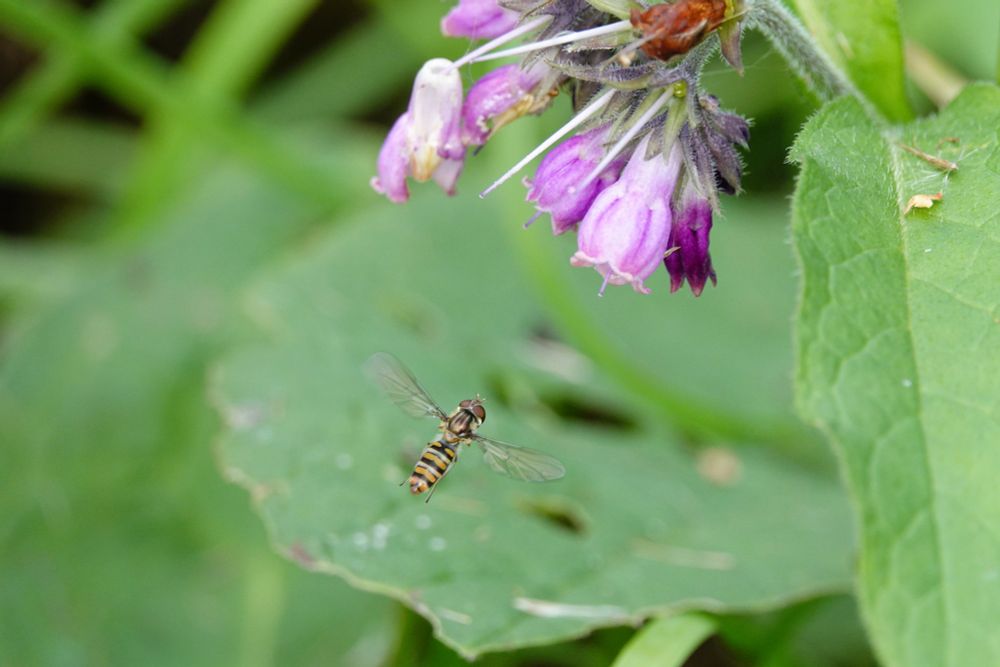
(436, 459)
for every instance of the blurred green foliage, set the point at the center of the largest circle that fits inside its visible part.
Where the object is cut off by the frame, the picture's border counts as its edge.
(145, 193)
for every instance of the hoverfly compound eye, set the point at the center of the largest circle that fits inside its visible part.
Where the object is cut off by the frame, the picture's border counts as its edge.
(479, 411)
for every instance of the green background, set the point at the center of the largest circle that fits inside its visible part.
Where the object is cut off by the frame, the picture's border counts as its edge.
(188, 225)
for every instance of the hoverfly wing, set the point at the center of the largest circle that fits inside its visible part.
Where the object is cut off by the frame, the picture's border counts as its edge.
(401, 387)
(521, 463)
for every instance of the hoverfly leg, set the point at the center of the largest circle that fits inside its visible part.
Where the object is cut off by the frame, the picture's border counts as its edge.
(433, 489)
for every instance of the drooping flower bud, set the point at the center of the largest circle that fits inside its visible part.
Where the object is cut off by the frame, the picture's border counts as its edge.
(425, 142)
(716, 139)
(503, 95)
(435, 111)
(690, 259)
(478, 19)
(625, 233)
(556, 187)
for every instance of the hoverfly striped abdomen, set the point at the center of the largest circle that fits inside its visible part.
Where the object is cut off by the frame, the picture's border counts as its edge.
(436, 459)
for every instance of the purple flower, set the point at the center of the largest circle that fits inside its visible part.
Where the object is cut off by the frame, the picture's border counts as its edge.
(689, 236)
(393, 164)
(425, 142)
(555, 188)
(503, 95)
(478, 19)
(625, 233)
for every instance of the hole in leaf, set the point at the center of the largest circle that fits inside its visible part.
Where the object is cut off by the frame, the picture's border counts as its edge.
(591, 413)
(543, 331)
(556, 512)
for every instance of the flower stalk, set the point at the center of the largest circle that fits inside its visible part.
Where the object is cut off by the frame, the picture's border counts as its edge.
(792, 40)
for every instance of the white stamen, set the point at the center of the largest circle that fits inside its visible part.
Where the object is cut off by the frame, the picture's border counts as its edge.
(564, 38)
(501, 40)
(627, 137)
(574, 122)
(532, 219)
(604, 285)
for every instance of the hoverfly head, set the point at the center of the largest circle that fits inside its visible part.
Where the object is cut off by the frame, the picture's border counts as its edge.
(475, 406)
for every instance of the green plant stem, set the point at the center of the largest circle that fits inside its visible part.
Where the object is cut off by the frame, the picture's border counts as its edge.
(228, 53)
(788, 35)
(142, 83)
(668, 641)
(62, 73)
(265, 600)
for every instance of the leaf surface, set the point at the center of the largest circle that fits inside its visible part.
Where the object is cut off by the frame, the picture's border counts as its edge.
(633, 529)
(899, 363)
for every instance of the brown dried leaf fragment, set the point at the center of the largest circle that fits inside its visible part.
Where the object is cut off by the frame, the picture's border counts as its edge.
(673, 28)
(937, 162)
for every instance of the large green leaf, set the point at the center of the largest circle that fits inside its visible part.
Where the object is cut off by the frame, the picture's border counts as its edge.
(864, 39)
(899, 363)
(633, 529)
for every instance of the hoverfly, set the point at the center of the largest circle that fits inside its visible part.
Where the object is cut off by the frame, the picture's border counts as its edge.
(457, 429)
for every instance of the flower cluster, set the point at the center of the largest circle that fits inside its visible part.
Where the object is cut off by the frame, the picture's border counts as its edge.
(637, 170)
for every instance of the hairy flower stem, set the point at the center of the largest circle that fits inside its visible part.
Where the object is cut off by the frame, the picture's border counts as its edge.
(789, 36)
